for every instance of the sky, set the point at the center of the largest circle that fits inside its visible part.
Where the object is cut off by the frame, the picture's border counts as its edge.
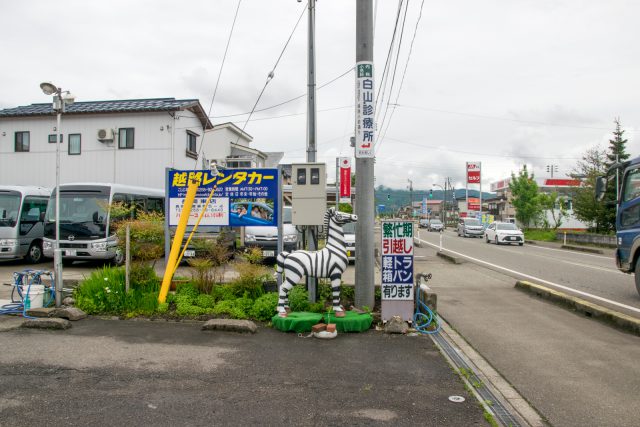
(505, 83)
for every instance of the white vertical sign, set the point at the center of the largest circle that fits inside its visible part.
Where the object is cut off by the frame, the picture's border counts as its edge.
(365, 110)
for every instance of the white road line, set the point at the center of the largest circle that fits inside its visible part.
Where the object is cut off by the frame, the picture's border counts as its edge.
(609, 270)
(527, 276)
(566, 251)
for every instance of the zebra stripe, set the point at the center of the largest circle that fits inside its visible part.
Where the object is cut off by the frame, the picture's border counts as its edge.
(329, 262)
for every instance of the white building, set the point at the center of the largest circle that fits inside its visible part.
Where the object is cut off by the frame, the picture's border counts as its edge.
(126, 142)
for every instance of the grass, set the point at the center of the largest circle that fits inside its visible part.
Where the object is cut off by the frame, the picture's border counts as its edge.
(541, 235)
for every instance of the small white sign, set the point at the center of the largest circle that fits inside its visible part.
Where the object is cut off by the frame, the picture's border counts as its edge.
(217, 212)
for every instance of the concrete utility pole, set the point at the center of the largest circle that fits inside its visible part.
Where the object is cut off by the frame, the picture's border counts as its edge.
(311, 235)
(365, 284)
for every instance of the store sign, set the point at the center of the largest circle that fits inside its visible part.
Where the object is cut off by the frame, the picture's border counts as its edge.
(473, 172)
(473, 204)
(397, 260)
(242, 197)
(365, 110)
(345, 179)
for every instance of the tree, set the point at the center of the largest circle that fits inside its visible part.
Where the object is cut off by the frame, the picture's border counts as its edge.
(615, 154)
(548, 203)
(585, 206)
(525, 200)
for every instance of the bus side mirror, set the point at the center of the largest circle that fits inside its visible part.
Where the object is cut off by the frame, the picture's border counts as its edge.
(601, 187)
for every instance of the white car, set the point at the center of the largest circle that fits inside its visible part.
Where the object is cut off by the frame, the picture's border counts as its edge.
(503, 232)
(349, 230)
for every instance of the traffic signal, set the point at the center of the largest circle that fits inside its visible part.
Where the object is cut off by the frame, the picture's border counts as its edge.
(431, 193)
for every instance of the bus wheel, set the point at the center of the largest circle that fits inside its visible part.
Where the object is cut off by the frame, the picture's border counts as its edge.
(34, 255)
(637, 275)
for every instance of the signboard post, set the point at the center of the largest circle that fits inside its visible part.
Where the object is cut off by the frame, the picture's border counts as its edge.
(397, 270)
(474, 170)
(345, 180)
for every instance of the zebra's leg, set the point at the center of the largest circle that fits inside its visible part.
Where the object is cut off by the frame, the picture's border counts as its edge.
(291, 278)
(335, 291)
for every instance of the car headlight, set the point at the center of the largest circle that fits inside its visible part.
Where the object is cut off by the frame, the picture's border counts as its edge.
(290, 238)
(249, 238)
(47, 246)
(99, 246)
(8, 242)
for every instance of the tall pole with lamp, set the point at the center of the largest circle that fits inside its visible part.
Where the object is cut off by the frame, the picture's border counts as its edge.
(59, 103)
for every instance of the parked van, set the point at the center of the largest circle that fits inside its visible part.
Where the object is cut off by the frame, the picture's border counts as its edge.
(22, 212)
(266, 237)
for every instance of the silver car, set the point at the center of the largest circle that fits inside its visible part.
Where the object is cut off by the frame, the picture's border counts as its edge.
(470, 227)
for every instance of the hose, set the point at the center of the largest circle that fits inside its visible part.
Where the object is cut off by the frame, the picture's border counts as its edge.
(27, 278)
(424, 316)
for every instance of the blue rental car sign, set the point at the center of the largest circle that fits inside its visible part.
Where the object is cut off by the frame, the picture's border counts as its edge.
(242, 197)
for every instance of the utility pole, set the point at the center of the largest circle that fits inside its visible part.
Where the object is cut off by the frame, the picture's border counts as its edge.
(310, 231)
(365, 284)
(410, 197)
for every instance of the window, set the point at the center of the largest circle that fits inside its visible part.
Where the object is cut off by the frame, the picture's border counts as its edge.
(52, 138)
(302, 176)
(74, 144)
(125, 138)
(192, 150)
(22, 141)
(315, 176)
(631, 189)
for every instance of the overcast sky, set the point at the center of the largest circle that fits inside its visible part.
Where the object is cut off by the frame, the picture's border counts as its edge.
(506, 83)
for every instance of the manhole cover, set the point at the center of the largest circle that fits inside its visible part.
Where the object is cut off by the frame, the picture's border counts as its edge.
(456, 399)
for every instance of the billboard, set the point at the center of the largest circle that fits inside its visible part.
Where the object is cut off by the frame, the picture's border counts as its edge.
(397, 260)
(365, 110)
(473, 204)
(473, 172)
(242, 197)
(345, 179)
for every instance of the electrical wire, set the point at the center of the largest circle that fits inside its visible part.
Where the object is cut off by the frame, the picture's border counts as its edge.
(215, 90)
(406, 65)
(271, 73)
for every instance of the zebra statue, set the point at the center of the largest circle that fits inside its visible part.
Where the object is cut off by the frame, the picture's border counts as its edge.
(329, 262)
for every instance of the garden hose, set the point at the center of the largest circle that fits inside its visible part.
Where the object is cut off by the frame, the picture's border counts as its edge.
(424, 315)
(28, 277)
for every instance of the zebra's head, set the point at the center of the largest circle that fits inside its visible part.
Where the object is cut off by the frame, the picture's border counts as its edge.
(340, 218)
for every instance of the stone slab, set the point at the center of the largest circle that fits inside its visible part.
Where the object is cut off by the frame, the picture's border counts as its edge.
(49, 323)
(231, 325)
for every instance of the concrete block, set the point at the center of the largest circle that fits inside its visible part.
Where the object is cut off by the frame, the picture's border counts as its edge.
(71, 313)
(40, 312)
(49, 323)
(231, 325)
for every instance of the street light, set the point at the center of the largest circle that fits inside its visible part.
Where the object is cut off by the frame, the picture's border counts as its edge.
(59, 102)
(443, 213)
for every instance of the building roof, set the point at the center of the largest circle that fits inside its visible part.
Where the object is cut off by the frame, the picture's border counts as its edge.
(118, 106)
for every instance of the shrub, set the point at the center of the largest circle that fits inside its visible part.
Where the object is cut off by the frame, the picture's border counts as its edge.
(265, 306)
(163, 308)
(189, 310)
(251, 277)
(205, 301)
(203, 276)
(146, 231)
(299, 299)
(223, 293)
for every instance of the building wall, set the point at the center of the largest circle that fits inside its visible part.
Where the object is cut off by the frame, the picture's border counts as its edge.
(160, 141)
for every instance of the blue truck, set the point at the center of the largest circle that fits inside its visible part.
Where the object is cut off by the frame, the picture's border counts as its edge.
(627, 175)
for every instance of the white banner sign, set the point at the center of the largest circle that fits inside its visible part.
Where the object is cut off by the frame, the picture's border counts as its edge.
(365, 110)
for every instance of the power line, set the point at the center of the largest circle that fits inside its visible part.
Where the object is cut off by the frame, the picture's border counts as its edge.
(284, 102)
(224, 57)
(271, 73)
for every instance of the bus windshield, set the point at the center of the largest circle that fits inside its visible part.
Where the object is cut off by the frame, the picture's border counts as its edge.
(79, 208)
(9, 208)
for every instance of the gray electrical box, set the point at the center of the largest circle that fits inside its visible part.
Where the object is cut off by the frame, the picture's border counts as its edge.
(308, 193)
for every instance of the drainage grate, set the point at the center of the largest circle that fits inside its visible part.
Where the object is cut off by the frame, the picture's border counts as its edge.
(500, 412)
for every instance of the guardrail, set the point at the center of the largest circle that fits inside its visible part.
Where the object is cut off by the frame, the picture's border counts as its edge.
(590, 238)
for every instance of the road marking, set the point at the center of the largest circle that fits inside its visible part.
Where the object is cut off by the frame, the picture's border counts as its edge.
(567, 250)
(609, 270)
(527, 276)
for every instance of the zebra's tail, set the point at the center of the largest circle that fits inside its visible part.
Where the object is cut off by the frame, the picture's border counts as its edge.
(282, 256)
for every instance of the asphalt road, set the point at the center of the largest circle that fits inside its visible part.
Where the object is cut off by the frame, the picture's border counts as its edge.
(111, 372)
(591, 276)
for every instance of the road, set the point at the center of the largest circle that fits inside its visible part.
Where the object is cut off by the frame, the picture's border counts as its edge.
(590, 276)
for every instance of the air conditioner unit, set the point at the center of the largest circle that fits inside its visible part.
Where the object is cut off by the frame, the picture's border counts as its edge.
(105, 134)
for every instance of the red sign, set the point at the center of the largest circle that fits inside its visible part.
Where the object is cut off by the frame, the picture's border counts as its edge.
(473, 172)
(345, 179)
(552, 182)
(473, 204)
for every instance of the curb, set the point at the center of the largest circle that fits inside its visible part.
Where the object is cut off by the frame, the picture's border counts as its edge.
(618, 320)
(582, 249)
(450, 258)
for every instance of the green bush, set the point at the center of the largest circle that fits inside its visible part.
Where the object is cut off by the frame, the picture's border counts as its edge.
(146, 231)
(205, 301)
(317, 307)
(265, 306)
(163, 308)
(189, 310)
(542, 235)
(223, 293)
(299, 298)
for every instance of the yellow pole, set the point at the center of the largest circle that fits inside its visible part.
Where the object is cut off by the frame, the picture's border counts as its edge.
(177, 240)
